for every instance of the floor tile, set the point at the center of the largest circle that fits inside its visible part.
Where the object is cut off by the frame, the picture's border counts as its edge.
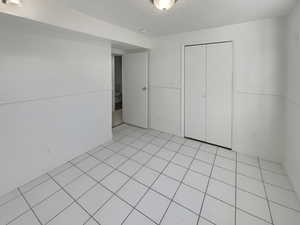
(146, 138)
(153, 205)
(127, 140)
(189, 198)
(157, 164)
(227, 153)
(272, 166)
(41, 192)
(175, 171)
(225, 163)
(79, 158)
(141, 157)
(165, 135)
(9, 196)
(100, 172)
(136, 218)
(282, 215)
(254, 205)
(209, 148)
(91, 222)
(26, 219)
(68, 176)
(188, 151)
(60, 169)
(88, 163)
(284, 197)
(177, 139)
(201, 167)
(223, 175)
(114, 181)
(113, 212)
(128, 151)
(132, 192)
(247, 159)
(165, 154)
(277, 179)
(172, 146)
(53, 206)
(94, 198)
(251, 185)
(192, 143)
(146, 176)
(196, 180)
(116, 147)
(80, 186)
(34, 183)
(72, 215)
(182, 160)
(103, 154)
(203, 221)
(138, 144)
(153, 132)
(159, 142)
(165, 186)
(12, 209)
(248, 170)
(97, 149)
(225, 213)
(151, 149)
(130, 167)
(245, 218)
(177, 215)
(116, 160)
(205, 156)
(221, 191)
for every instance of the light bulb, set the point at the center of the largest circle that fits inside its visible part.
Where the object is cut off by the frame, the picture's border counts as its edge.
(164, 4)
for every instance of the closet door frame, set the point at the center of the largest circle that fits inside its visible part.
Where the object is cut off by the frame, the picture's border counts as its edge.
(183, 87)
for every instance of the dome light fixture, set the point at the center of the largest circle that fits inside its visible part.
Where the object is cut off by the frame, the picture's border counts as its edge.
(163, 4)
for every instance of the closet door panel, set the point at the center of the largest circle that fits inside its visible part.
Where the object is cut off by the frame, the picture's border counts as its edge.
(219, 94)
(195, 92)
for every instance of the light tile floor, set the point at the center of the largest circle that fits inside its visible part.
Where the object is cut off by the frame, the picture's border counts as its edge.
(146, 177)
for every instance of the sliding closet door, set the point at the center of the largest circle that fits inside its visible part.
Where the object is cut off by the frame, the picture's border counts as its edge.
(219, 94)
(195, 92)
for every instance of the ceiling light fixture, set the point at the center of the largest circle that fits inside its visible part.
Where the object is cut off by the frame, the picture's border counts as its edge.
(12, 2)
(163, 4)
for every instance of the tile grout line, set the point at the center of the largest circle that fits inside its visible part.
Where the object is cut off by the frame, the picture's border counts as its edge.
(180, 183)
(130, 177)
(140, 149)
(73, 198)
(149, 187)
(202, 205)
(31, 209)
(263, 182)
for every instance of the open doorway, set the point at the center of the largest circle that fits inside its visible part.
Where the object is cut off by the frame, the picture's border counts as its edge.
(117, 114)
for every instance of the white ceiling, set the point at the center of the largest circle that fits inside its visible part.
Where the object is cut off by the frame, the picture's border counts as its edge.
(187, 15)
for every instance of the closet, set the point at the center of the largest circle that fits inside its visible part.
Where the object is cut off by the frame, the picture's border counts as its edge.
(208, 93)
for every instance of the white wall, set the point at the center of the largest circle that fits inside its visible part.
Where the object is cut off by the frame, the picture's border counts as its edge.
(258, 83)
(55, 99)
(292, 154)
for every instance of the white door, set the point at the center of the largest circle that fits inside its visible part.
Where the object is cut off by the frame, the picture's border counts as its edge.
(195, 92)
(135, 89)
(219, 94)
